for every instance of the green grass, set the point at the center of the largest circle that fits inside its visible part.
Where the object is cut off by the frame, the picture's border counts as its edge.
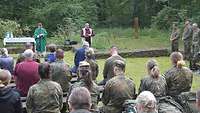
(149, 38)
(124, 39)
(136, 68)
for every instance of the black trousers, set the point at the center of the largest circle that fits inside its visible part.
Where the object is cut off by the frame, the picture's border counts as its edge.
(88, 39)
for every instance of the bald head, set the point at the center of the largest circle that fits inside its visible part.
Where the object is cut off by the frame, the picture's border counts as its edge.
(5, 78)
(113, 50)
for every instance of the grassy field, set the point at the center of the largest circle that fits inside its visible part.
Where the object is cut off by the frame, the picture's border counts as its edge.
(135, 68)
(124, 39)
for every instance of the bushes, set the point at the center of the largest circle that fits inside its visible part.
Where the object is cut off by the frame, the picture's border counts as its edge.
(167, 16)
(9, 26)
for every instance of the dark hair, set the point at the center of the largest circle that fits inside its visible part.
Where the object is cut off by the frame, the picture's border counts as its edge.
(86, 76)
(60, 54)
(80, 98)
(119, 64)
(44, 70)
(28, 45)
(20, 58)
(52, 47)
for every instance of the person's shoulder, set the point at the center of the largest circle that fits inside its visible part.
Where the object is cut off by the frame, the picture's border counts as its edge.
(54, 83)
(35, 86)
(15, 93)
(186, 69)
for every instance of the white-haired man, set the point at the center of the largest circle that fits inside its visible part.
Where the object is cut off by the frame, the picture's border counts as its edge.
(26, 73)
(79, 100)
(87, 34)
(146, 103)
(79, 56)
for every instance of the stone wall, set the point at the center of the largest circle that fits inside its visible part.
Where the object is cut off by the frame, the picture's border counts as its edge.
(138, 53)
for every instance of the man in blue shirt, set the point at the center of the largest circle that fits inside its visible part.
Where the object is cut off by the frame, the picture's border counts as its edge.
(79, 56)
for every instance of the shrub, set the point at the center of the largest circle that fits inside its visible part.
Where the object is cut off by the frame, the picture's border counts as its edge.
(167, 16)
(9, 26)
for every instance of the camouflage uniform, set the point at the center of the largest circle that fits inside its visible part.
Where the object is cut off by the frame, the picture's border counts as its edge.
(195, 45)
(60, 73)
(168, 105)
(174, 39)
(108, 67)
(117, 90)
(45, 97)
(187, 38)
(94, 68)
(157, 86)
(94, 91)
(178, 80)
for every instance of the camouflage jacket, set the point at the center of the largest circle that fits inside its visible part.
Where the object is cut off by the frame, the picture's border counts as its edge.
(157, 86)
(94, 68)
(94, 91)
(45, 97)
(117, 90)
(196, 37)
(108, 67)
(175, 35)
(187, 33)
(60, 73)
(178, 80)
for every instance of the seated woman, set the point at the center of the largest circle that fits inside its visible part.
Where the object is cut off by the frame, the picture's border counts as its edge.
(154, 82)
(6, 61)
(86, 81)
(179, 77)
(51, 57)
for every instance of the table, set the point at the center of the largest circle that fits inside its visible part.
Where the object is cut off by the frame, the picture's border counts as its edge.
(18, 40)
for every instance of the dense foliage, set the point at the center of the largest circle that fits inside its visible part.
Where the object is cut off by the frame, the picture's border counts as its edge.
(64, 16)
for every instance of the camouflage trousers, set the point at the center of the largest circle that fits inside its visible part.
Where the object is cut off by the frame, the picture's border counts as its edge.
(195, 49)
(187, 49)
(174, 46)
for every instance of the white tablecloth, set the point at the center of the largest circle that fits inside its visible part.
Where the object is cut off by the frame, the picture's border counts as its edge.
(18, 40)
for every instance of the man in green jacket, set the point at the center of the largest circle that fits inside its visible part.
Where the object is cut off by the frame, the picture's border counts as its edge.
(40, 38)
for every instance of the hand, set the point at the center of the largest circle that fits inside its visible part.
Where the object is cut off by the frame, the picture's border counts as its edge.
(41, 34)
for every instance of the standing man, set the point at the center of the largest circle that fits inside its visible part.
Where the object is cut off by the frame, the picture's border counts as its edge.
(187, 38)
(174, 38)
(40, 38)
(87, 34)
(195, 44)
(108, 66)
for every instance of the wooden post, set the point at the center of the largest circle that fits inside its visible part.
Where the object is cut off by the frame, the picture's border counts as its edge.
(136, 27)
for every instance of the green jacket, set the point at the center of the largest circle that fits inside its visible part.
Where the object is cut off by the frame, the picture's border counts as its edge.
(40, 35)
